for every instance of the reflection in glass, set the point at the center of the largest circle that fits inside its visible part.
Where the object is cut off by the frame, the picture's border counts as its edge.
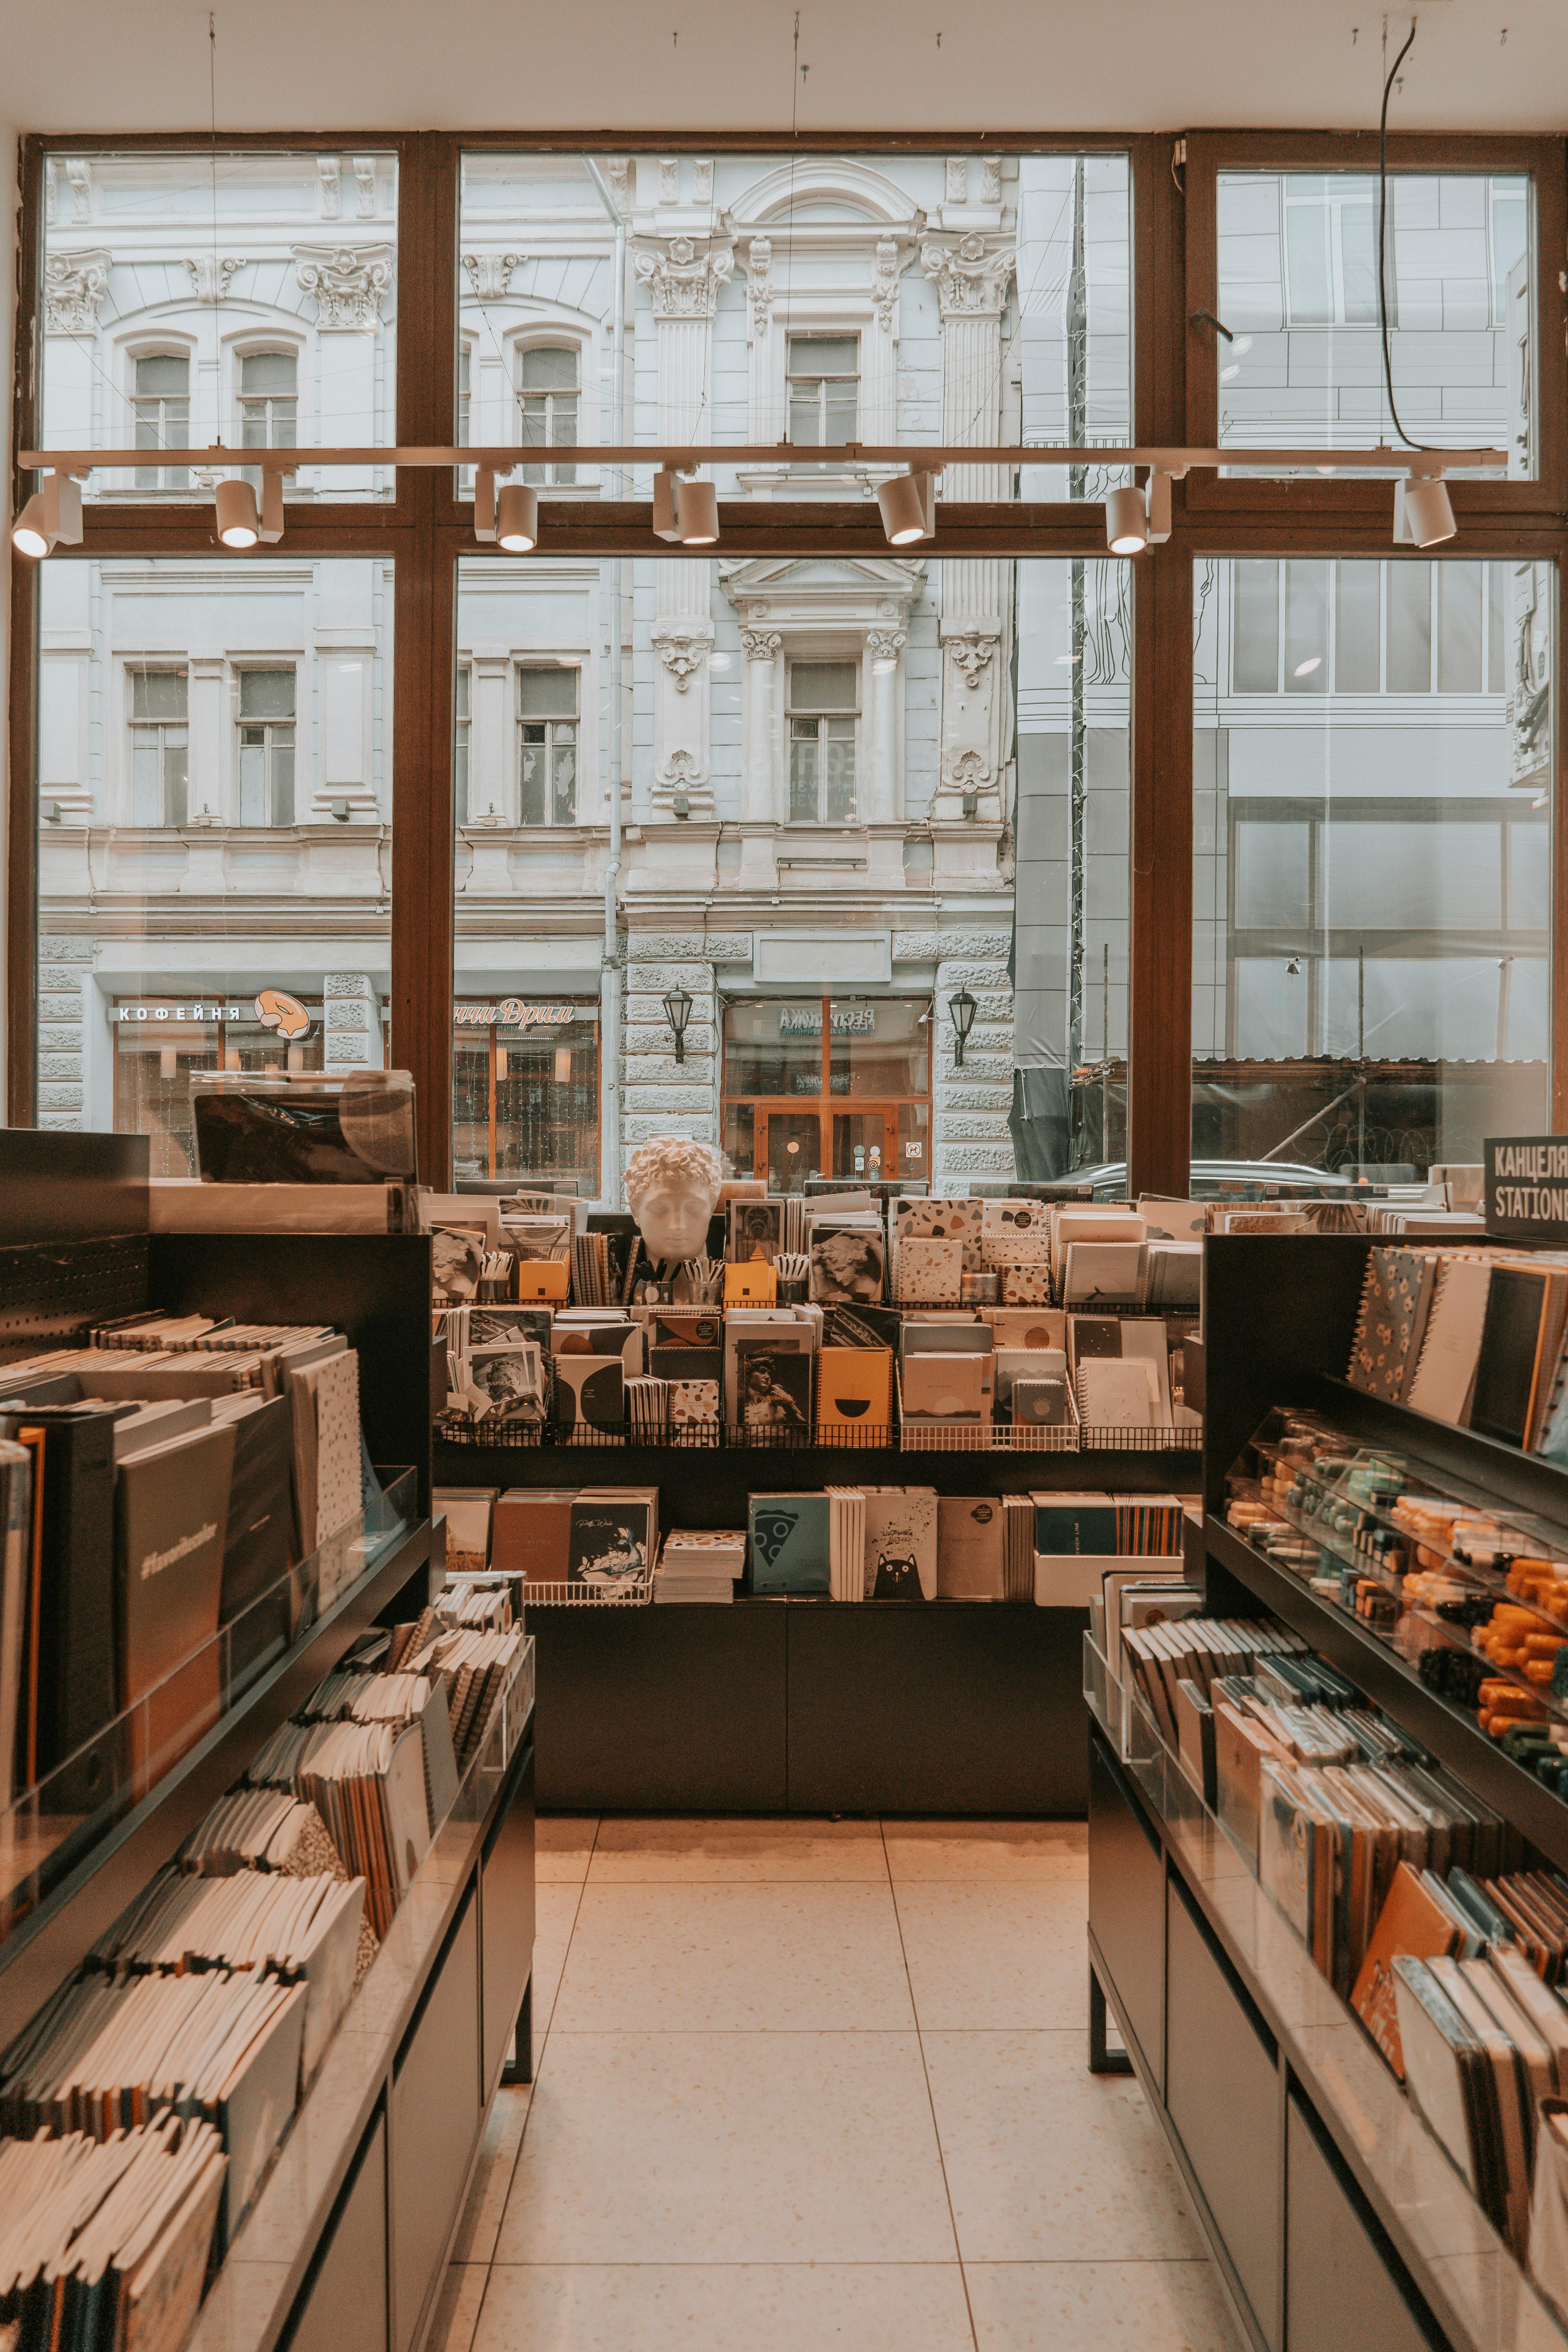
(1371, 929)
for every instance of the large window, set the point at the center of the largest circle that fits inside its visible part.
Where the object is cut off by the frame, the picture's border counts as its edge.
(161, 409)
(1372, 918)
(546, 746)
(548, 397)
(824, 718)
(817, 1086)
(212, 838)
(1301, 363)
(525, 1091)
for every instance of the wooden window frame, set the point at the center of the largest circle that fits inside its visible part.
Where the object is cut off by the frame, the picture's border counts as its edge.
(427, 526)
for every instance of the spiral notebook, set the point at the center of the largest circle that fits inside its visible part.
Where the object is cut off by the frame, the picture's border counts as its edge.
(1445, 1375)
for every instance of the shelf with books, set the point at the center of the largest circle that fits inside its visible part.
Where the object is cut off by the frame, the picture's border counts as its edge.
(74, 1887)
(1422, 2211)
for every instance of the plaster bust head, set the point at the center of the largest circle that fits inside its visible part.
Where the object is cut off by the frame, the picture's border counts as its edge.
(671, 1189)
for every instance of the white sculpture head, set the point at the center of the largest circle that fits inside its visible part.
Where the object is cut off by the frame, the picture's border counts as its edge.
(671, 1189)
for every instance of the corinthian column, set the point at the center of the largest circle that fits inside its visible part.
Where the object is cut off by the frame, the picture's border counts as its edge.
(971, 274)
(760, 726)
(683, 281)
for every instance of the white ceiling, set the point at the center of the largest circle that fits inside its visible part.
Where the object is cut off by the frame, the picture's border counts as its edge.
(695, 65)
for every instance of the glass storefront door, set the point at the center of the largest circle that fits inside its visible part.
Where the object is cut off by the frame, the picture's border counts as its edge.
(836, 1086)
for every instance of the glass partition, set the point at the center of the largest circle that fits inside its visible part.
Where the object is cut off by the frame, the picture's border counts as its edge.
(1372, 863)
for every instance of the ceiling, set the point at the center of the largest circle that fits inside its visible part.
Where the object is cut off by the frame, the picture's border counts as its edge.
(929, 66)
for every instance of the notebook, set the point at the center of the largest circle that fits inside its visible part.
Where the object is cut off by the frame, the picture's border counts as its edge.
(1445, 1376)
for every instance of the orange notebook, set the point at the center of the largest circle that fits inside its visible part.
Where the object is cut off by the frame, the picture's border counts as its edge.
(1410, 1926)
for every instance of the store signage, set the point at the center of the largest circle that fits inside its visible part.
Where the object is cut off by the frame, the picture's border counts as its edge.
(511, 1012)
(1526, 1196)
(806, 1020)
(284, 1014)
(140, 1012)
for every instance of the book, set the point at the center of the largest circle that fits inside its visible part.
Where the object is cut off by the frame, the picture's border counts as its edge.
(456, 1264)
(854, 1389)
(1521, 1312)
(789, 1543)
(1445, 1375)
(531, 1533)
(1116, 1395)
(170, 1519)
(328, 1448)
(901, 1543)
(588, 1392)
(755, 1231)
(773, 1383)
(15, 1556)
(468, 1516)
(1410, 1925)
(930, 1269)
(612, 1539)
(254, 1602)
(70, 1692)
(848, 1263)
(945, 1386)
(969, 1564)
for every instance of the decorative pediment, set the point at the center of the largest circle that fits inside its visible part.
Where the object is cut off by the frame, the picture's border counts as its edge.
(821, 194)
(773, 593)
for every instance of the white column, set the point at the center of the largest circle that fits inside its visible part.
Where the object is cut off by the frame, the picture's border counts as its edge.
(210, 780)
(882, 702)
(971, 274)
(352, 1024)
(683, 277)
(760, 726)
(489, 767)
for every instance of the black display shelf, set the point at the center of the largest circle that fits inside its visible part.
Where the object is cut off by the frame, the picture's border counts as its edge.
(1452, 1734)
(51, 1941)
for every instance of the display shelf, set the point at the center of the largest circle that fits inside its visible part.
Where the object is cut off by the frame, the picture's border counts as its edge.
(52, 1939)
(1461, 2267)
(251, 2302)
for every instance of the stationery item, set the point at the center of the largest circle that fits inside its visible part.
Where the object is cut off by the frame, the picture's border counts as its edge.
(1027, 1327)
(1445, 1374)
(532, 1532)
(700, 1564)
(507, 1382)
(770, 1391)
(456, 1263)
(257, 1602)
(588, 1397)
(855, 1389)
(1174, 1275)
(328, 1448)
(1116, 1395)
(16, 1560)
(1013, 1364)
(1092, 1270)
(1521, 1337)
(170, 1510)
(969, 1548)
(900, 1543)
(1412, 1925)
(1004, 1246)
(788, 1543)
(1453, 2083)
(755, 1231)
(945, 1386)
(1015, 1217)
(1043, 1402)
(1017, 1547)
(846, 1542)
(752, 1282)
(848, 1262)
(542, 1279)
(917, 1219)
(1071, 1224)
(1024, 1286)
(930, 1270)
(468, 1511)
(613, 1539)
(60, 1601)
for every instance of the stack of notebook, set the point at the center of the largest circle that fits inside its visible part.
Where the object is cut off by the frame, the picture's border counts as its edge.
(1473, 1336)
(367, 1780)
(106, 2245)
(700, 1564)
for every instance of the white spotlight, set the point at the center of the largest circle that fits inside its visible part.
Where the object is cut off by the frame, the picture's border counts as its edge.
(238, 523)
(271, 505)
(484, 503)
(1428, 513)
(1126, 522)
(697, 512)
(908, 503)
(51, 517)
(517, 519)
(30, 533)
(667, 488)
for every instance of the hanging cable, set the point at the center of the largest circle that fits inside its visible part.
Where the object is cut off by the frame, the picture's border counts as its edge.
(1382, 237)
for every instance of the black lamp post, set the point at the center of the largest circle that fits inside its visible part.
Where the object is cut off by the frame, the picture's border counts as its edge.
(963, 1008)
(678, 1012)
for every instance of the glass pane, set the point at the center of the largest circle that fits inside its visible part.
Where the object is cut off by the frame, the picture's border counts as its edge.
(547, 693)
(1372, 935)
(980, 297)
(550, 367)
(181, 245)
(158, 693)
(1258, 628)
(1297, 254)
(178, 927)
(822, 686)
(1307, 628)
(269, 371)
(681, 674)
(267, 693)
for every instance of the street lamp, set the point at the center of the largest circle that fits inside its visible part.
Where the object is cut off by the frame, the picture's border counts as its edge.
(678, 1012)
(963, 1008)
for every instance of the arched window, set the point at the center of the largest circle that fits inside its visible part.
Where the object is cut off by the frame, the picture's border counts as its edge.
(160, 404)
(269, 400)
(548, 390)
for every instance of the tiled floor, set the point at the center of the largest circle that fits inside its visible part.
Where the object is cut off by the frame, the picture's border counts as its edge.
(811, 2083)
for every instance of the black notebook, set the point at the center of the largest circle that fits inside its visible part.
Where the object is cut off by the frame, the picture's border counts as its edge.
(1507, 1371)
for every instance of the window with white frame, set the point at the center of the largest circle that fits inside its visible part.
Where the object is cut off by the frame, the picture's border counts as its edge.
(461, 712)
(824, 719)
(465, 393)
(1308, 626)
(160, 746)
(546, 746)
(549, 391)
(267, 718)
(161, 405)
(1331, 252)
(269, 400)
(824, 384)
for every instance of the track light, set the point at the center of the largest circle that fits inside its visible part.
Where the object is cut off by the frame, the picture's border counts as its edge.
(908, 503)
(666, 486)
(697, 512)
(1126, 521)
(271, 505)
(517, 519)
(52, 517)
(1429, 517)
(238, 522)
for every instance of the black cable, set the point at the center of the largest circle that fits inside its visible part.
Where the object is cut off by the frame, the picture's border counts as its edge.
(1382, 235)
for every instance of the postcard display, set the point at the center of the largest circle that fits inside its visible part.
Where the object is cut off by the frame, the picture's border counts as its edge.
(833, 1442)
(303, 1885)
(1328, 1842)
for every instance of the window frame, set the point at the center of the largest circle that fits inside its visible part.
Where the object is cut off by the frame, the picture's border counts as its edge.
(549, 721)
(268, 669)
(427, 525)
(854, 664)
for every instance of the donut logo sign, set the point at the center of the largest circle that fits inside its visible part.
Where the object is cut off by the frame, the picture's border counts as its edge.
(284, 1014)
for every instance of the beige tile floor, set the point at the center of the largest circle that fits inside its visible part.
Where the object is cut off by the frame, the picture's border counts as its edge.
(807, 2084)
